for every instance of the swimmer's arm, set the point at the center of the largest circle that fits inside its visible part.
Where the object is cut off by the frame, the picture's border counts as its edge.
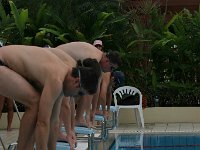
(73, 111)
(66, 114)
(50, 93)
(54, 125)
(72, 106)
(103, 91)
(66, 118)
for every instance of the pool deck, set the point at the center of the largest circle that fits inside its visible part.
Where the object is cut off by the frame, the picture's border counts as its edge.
(158, 127)
(10, 137)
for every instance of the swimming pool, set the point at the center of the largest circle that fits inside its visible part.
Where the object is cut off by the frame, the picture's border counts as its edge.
(171, 141)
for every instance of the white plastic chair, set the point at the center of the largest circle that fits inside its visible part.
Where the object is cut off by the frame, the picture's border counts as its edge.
(119, 92)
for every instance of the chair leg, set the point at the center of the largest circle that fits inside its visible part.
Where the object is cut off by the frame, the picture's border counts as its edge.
(117, 118)
(114, 120)
(136, 116)
(141, 116)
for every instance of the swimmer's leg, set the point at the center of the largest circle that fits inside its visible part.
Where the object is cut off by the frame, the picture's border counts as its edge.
(14, 86)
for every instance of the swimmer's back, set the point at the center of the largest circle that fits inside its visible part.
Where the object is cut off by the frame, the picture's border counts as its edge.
(66, 58)
(81, 50)
(31, 62)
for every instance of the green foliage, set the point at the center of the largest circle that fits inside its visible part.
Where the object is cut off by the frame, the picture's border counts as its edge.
(175, 54)
(5, 21)
(4, 17)
(157, 55)
(19, 17)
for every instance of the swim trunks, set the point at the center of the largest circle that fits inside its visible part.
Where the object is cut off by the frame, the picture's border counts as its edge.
(2, 63)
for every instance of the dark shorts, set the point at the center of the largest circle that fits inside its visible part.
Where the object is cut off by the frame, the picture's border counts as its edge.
(37, 86)
(2, 63)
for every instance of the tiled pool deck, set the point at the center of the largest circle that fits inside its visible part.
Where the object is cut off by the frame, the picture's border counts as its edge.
(10, 137)
(158, 127)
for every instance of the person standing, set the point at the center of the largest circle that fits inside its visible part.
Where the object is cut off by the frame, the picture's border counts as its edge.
(39, 80)
(8, 102)
(4, 101)
(79, 51)
(105, 95)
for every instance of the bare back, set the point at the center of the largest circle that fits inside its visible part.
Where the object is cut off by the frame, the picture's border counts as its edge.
(81, 50)
(66, 58)
(31, 62)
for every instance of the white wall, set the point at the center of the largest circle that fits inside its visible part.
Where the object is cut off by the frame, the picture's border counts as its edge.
(151, 115)
(163, 115)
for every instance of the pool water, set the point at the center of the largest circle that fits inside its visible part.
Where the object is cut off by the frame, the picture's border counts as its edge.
(156, 142)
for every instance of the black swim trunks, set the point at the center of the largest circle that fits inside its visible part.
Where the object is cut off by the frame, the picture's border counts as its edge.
(2, 63)
(36, 85)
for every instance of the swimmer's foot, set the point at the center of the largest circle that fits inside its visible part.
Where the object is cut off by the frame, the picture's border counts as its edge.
(98, 112)
(62, 138)
(9, 129)
(81, 124)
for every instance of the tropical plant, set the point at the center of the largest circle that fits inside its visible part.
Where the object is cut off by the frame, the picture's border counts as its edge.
(13, 27)
(175, 55)
(86, 22)
(5, 21)
(158, 55)
(147, 29)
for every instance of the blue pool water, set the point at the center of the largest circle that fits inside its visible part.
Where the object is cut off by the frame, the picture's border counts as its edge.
(156, 142)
